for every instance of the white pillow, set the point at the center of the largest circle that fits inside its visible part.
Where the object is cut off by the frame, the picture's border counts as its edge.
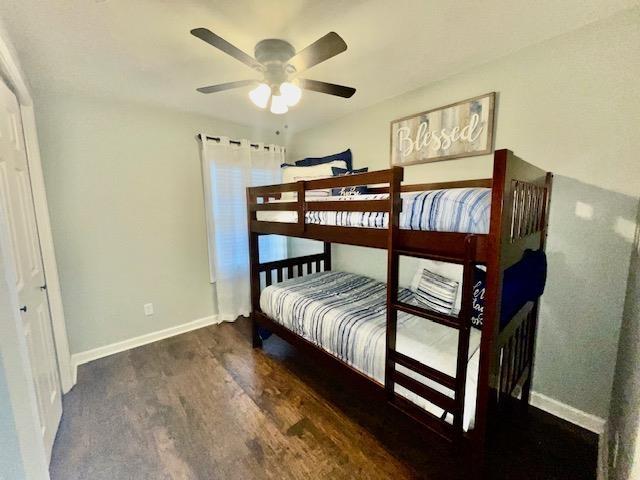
(314, 172)
(437, 292)
(452, 271)
(323, 192)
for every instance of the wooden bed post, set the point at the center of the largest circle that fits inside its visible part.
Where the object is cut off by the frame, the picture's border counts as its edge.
(395, 206)
(254, 252)
(327, 256)
(526, 387)
(254, 273)
(493, 295)
(518, 222)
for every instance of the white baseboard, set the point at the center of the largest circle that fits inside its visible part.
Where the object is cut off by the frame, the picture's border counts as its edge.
(100, 352)
(571, 414)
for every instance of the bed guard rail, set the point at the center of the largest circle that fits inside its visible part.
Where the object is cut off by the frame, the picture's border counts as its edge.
(262, 198)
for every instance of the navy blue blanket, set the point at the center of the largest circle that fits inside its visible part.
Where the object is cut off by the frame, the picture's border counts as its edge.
(523, 282)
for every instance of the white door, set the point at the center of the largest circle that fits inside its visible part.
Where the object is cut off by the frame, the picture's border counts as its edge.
(17, 203)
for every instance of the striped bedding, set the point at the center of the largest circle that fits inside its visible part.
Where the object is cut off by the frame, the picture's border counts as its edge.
(345, 314)
(451, 210)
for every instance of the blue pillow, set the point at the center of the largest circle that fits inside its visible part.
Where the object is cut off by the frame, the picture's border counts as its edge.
(521, 283)
(352, 190)
(337, 171)
(311, 161)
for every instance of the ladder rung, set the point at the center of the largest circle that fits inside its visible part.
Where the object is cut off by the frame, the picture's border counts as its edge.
(437, 424)
(424, 370)
(442, 318)
(440, 399)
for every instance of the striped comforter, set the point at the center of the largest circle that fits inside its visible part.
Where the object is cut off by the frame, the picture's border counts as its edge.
(345, 314)
(452, 210)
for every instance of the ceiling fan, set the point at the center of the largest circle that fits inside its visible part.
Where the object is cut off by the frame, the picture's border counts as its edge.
(279, 64)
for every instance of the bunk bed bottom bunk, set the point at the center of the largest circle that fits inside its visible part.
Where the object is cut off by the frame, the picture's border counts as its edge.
(345, 315)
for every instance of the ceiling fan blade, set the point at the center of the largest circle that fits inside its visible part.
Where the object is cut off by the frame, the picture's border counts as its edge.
(322, 49)
(226, 86)
(221, 44)
(324, 87)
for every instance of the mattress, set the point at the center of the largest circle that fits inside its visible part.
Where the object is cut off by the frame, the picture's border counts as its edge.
(464, 210)
(345, 314)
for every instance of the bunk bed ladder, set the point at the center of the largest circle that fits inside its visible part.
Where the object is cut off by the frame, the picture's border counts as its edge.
(453, 405)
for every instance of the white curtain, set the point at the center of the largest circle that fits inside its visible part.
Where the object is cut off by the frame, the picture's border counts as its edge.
(227, 170)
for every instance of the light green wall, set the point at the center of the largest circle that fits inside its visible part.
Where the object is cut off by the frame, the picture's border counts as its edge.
(125, 196)
(624, 421)
(570, 105)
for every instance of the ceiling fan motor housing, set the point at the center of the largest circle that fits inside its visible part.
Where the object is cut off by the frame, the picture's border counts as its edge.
(274, 54)
(274, 50)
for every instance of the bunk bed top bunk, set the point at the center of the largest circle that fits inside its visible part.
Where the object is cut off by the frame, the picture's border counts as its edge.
(463, 210)
(498, 232)
(334, 218)
(513, 178)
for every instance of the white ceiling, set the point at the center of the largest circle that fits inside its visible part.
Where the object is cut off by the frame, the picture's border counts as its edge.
(141, 50)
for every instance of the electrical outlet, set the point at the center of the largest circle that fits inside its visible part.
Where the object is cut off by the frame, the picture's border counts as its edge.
(148, 309)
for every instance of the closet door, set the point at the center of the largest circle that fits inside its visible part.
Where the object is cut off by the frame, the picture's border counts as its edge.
(17, 211)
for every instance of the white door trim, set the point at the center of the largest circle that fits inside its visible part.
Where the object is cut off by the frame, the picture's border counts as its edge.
(11, 71)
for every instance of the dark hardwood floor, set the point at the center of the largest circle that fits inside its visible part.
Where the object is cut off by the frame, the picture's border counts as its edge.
(205, 405)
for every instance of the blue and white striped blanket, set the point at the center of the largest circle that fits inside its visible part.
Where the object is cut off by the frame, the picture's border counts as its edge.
(452, 210)
(345, 314)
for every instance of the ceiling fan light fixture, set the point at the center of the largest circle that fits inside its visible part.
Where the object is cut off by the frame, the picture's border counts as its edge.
(260, 95)
(291, 93)
(278, 105)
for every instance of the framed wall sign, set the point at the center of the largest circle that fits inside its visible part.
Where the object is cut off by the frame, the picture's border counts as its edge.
(462, 129)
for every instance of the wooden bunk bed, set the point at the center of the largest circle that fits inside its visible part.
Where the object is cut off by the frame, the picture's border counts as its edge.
(520, 196)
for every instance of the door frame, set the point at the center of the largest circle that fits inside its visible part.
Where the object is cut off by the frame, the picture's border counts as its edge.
(13, 75)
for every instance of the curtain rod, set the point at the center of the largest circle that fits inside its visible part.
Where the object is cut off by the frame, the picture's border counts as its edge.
(235, 142)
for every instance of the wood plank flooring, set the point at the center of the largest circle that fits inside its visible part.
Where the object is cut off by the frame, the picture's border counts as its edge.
(205, 405)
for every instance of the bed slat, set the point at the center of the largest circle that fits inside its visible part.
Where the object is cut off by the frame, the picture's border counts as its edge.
(528, 212)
